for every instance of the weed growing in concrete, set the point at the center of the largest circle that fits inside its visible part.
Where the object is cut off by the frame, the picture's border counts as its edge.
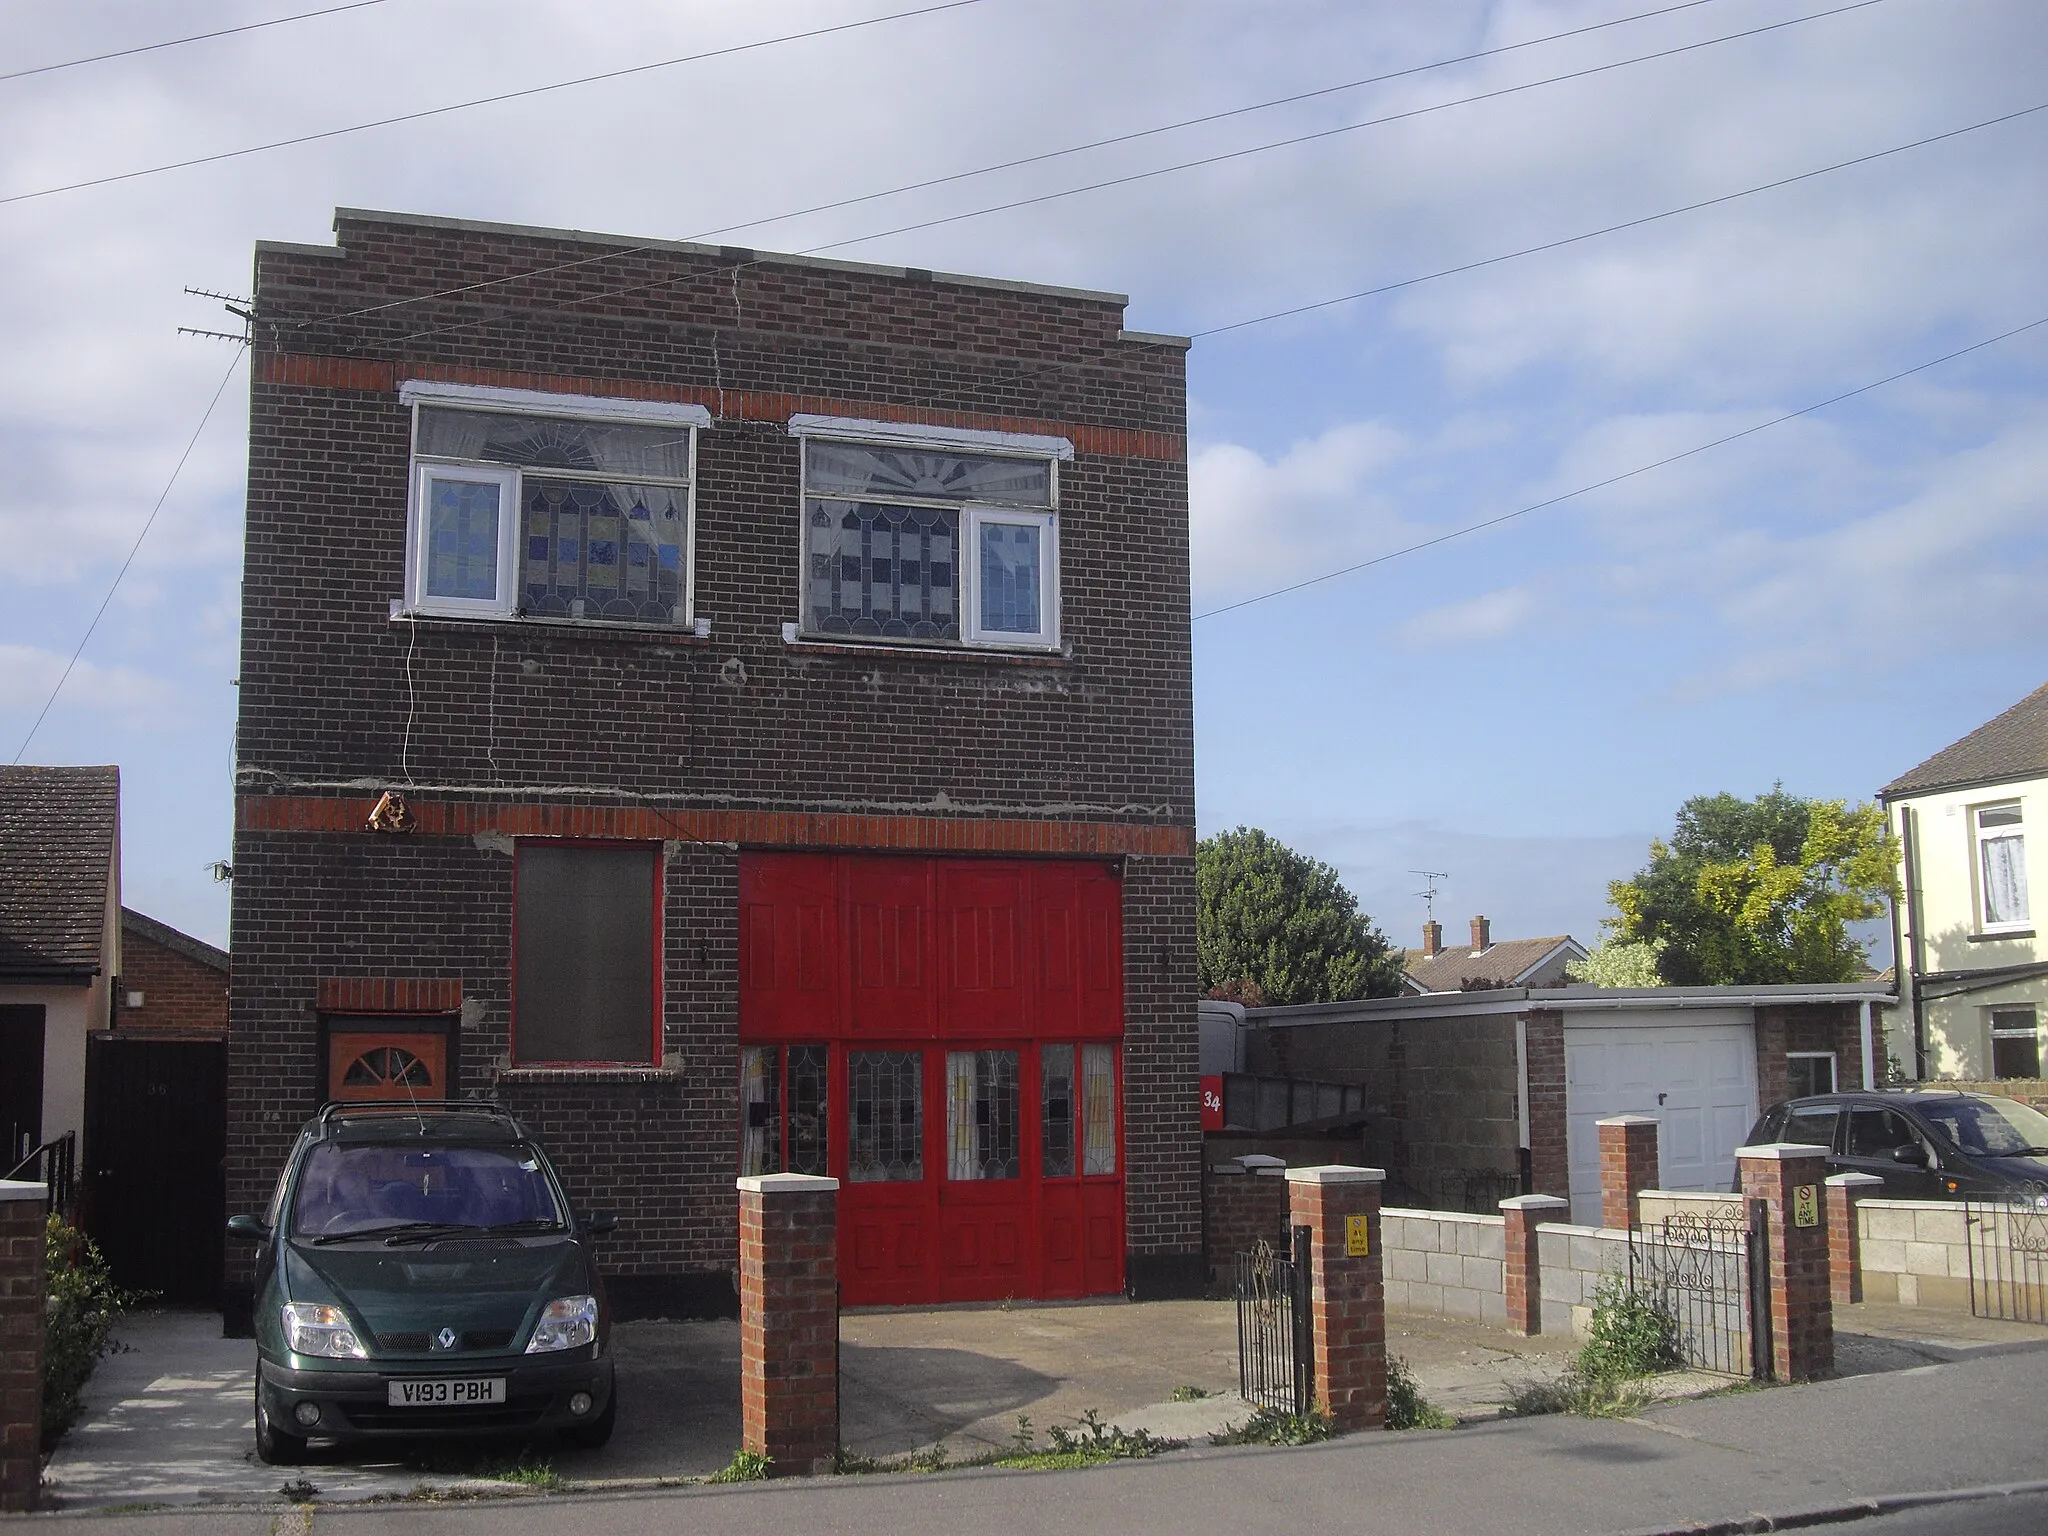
(528, 1472)
(1191, 1394)
(745, 1467)
(1269, 1426)
(1632, 1334)
(1087, 1443)
(1407, 1408)
(1594, 1397)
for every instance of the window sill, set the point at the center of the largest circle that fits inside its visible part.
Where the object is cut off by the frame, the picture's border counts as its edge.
(591, 1074)
(1998, 934)
(580, 629)
(987, 653)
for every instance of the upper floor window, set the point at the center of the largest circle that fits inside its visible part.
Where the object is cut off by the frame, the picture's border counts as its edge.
(930, 535)
(2001, 865)
(550, 506)
(586, 953)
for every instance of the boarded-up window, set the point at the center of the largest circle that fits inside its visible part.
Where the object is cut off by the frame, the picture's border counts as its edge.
(583, 972)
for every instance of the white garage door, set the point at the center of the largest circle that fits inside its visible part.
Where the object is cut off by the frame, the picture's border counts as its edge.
(1696, 1074)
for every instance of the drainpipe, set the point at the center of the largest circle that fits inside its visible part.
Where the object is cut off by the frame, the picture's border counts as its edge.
(1869, 1051)
(1909, 825)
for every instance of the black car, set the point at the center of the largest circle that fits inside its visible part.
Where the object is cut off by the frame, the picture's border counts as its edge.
(421, 1273)
(1926, 1144)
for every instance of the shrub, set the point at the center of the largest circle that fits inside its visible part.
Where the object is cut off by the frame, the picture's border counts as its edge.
(1632, 1334)
(745, 1467)
(1269, 1426)
(1594, 1397)
(1407, 1408)
(83, 1303)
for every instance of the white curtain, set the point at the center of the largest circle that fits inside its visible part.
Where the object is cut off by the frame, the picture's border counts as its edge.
(759, 1144)
(961, 1163)
(1098, 1109)
(2005, 879)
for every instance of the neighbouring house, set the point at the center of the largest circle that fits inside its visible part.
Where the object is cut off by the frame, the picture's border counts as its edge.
(1466, 1097)
(736, 709)
(60, 944)
(1487, 961)
(173, 986)
(1972, 972)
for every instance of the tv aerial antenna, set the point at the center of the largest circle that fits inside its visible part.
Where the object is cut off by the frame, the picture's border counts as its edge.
(1428, 891)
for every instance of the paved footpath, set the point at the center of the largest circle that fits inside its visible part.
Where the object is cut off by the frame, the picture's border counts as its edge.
(1960, 1425)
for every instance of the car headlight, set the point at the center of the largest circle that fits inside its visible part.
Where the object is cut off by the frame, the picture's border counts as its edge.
(312, 1328)
(564, 1324)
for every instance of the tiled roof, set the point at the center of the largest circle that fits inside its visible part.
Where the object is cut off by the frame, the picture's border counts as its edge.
(184, 944)
(57, 834)
(1500, 963)
(2013, 746)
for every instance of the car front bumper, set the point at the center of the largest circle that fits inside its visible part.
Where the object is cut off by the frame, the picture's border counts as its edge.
(355, 1403)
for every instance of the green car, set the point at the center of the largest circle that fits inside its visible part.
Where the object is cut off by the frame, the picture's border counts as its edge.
(421, 1273)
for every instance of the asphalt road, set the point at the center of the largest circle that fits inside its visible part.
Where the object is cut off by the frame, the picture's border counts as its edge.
(1986, 1517)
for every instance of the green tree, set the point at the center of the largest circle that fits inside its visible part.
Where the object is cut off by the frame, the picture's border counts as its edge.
(1755, 892)
(1274, 924)
(1618, 962)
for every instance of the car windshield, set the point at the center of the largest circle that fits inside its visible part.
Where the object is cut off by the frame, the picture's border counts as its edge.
(379, 1187)
(1990, 1127)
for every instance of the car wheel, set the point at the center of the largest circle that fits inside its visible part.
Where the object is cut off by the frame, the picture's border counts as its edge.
(588, 1437)
(275, 1448)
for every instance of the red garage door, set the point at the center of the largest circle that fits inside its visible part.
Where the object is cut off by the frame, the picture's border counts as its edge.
(944, 1037)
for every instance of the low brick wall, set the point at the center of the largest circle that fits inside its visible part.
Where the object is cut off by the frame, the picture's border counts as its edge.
(1444, 1264)
(1915, 1252)
(1240, 1205)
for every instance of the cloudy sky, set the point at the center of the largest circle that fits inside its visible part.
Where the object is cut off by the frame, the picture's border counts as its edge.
(1824, 602)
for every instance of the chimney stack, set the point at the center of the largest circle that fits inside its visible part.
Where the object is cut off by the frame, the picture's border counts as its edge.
(1482, 935)
(1432, 939)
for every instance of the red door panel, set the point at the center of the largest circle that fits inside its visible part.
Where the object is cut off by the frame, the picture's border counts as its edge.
(789, 946)
(1102, 1208)
(1056, 922)
(889, 932)
(981, 964)
(983, 1255)
(1100, 897)
(884, 1243)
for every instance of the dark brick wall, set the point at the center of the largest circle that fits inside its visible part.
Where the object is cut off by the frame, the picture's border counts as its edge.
(338, 701)
(180, 996)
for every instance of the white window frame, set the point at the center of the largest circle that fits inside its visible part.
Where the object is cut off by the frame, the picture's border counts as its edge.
(417, 598)
(414, 393)
(1834, 1069)
(974, 636)
(2015, 831)
(1994, 1031)
(973, 518)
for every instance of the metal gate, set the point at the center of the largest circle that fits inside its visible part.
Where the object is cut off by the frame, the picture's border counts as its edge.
(2007, 1241)
(1708, 1272)
(1274, 1368)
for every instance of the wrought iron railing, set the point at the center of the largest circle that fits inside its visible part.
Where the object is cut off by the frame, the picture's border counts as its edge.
(1697, 1267)
(2007, 1241)
(55, 1164)
(1274, 1365)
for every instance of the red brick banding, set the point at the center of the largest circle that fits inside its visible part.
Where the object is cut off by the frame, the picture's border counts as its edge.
(789, 1322)
(1347, 1295)
(1628, 1166)
(1802, 1311)
(21, 1344)
(1522, 1271)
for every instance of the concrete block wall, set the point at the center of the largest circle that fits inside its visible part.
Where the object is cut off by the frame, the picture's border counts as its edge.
(1444, 1264)
(1653, 1205)
(1573, 1260)
(1915, 1252)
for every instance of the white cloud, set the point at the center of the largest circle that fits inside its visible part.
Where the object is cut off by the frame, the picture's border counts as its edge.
(1485, 617)
(123, 699)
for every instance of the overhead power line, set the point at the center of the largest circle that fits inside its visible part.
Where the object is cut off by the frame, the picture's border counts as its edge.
(179, 42)
(1137, 176)
(1024, 160)
(147, 523)
(1611, 229)
(485, 101)
(1627, 474)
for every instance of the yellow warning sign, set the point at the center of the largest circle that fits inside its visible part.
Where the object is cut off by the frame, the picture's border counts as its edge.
(1806, 1205)
(1357, 1236)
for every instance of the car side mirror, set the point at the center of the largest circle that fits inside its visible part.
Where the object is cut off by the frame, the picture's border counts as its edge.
(1912, 1154)
(601, 1223)
(248, 1228)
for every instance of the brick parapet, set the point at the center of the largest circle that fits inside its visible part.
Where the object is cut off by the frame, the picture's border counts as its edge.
(1802, 1309)
(789, 1322)
(1347, 1293)
(1243, 1200)
(1628, 1166)
(1845, 1243)
(21, 1343)
(1522, 1268)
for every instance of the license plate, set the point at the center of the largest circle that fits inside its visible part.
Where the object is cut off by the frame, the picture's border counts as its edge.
(445, 1392)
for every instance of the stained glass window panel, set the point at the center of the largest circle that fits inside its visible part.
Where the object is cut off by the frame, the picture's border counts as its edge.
(1098, 1109)
(602, 551)
(808, 1120)
(860, 470)
(1056, 1109)
(760, 1111)
(1012, 561)
(884, 1116)
(982, 1115)
(462, 539)
(880, 571)
(613, 449)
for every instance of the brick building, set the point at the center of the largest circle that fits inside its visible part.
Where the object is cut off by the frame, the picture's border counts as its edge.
(172, 985)
(737, 710)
